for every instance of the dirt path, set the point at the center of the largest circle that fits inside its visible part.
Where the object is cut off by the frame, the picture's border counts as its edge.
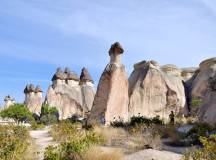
(42, 140)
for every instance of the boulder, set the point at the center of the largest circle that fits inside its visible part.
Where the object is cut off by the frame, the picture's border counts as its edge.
(156, 92)
(33, 98)
(203, 87)
(65, 94)
(111, 99)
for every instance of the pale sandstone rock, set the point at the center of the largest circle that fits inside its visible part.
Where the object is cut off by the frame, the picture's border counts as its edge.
(87, 90)
(33, 98)
(155, 92)
(65, 94)
(9, 101)
(111, 100)
(203, 86)
(187, 73)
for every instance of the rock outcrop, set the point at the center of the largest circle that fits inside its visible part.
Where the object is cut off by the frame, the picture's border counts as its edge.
(9, 101)
(65, 94)
(33, 98)
(87, 90)
(111, 99)
(187, 73)
(203, 87)
(156, 91)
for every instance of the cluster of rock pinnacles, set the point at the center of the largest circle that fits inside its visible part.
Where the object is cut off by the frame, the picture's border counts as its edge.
(151, 90)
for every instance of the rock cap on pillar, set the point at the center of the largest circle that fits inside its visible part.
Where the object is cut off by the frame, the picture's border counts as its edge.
(58, 75)
(29, 88)
(38, 89)
(116, 48)
(85, 76)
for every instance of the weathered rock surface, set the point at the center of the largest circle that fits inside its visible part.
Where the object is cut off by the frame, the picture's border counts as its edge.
(9, 101)
(187, 73)
(65, 94)
(111, 100)
(203, 86)
(153, 91)
(33, 98)
(87, 90)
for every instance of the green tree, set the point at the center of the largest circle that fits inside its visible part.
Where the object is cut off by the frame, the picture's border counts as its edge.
(49, 115)
(18, 112)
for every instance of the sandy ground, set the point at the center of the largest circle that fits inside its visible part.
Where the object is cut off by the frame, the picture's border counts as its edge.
(42, 140)
(151, 154)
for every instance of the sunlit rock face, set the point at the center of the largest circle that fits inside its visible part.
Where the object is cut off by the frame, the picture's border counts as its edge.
(111, 99)
(33, 98)
(203, 86)
(87, 90)
(156, 92)
(9, 101)
(65, 94)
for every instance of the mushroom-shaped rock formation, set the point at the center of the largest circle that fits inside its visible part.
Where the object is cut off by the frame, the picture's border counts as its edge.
(87, 89)
(9, 101)
(33, 98)
(85, 77)
(111, 99)
(153, 92)
(59, 77)
(65, 94)
(203, 87)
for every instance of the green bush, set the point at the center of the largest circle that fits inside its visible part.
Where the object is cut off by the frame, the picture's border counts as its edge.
(13, 142)
(199, 130)
(74, 141)
(49, 115)
(18, 112)
(208, 152)
(196, 102)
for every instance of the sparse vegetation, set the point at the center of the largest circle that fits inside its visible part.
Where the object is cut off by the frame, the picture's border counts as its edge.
(207, 152)
(14, 142)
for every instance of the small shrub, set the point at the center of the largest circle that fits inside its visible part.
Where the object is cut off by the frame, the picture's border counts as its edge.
(51, 153)
(199, 130)
(208, 152)
(49, 115)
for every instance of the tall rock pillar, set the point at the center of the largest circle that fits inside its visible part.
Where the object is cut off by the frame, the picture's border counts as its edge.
(111, 99)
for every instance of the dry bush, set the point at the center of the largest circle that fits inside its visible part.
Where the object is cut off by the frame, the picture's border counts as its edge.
(109, 133)
(98, 153)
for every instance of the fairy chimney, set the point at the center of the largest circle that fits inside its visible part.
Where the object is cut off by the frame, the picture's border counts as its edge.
(111, 99)
(9, 101)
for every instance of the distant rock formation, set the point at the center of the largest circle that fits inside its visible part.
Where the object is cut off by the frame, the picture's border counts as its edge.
(111, 99)
(9, 101)
(33, 98)
(87, 90)
(187, 73)
(203, 86)
(156, 91)
(65, 94)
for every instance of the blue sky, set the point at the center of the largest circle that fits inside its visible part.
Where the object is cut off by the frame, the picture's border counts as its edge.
(37, 36)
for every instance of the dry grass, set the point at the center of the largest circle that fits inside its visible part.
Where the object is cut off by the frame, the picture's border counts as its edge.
(99, 153)
(32, 151)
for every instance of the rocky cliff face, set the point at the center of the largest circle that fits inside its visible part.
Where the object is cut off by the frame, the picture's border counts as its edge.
(203, 86)
(156, 91)
(111, 100)
(33, 98)
(68, 95)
